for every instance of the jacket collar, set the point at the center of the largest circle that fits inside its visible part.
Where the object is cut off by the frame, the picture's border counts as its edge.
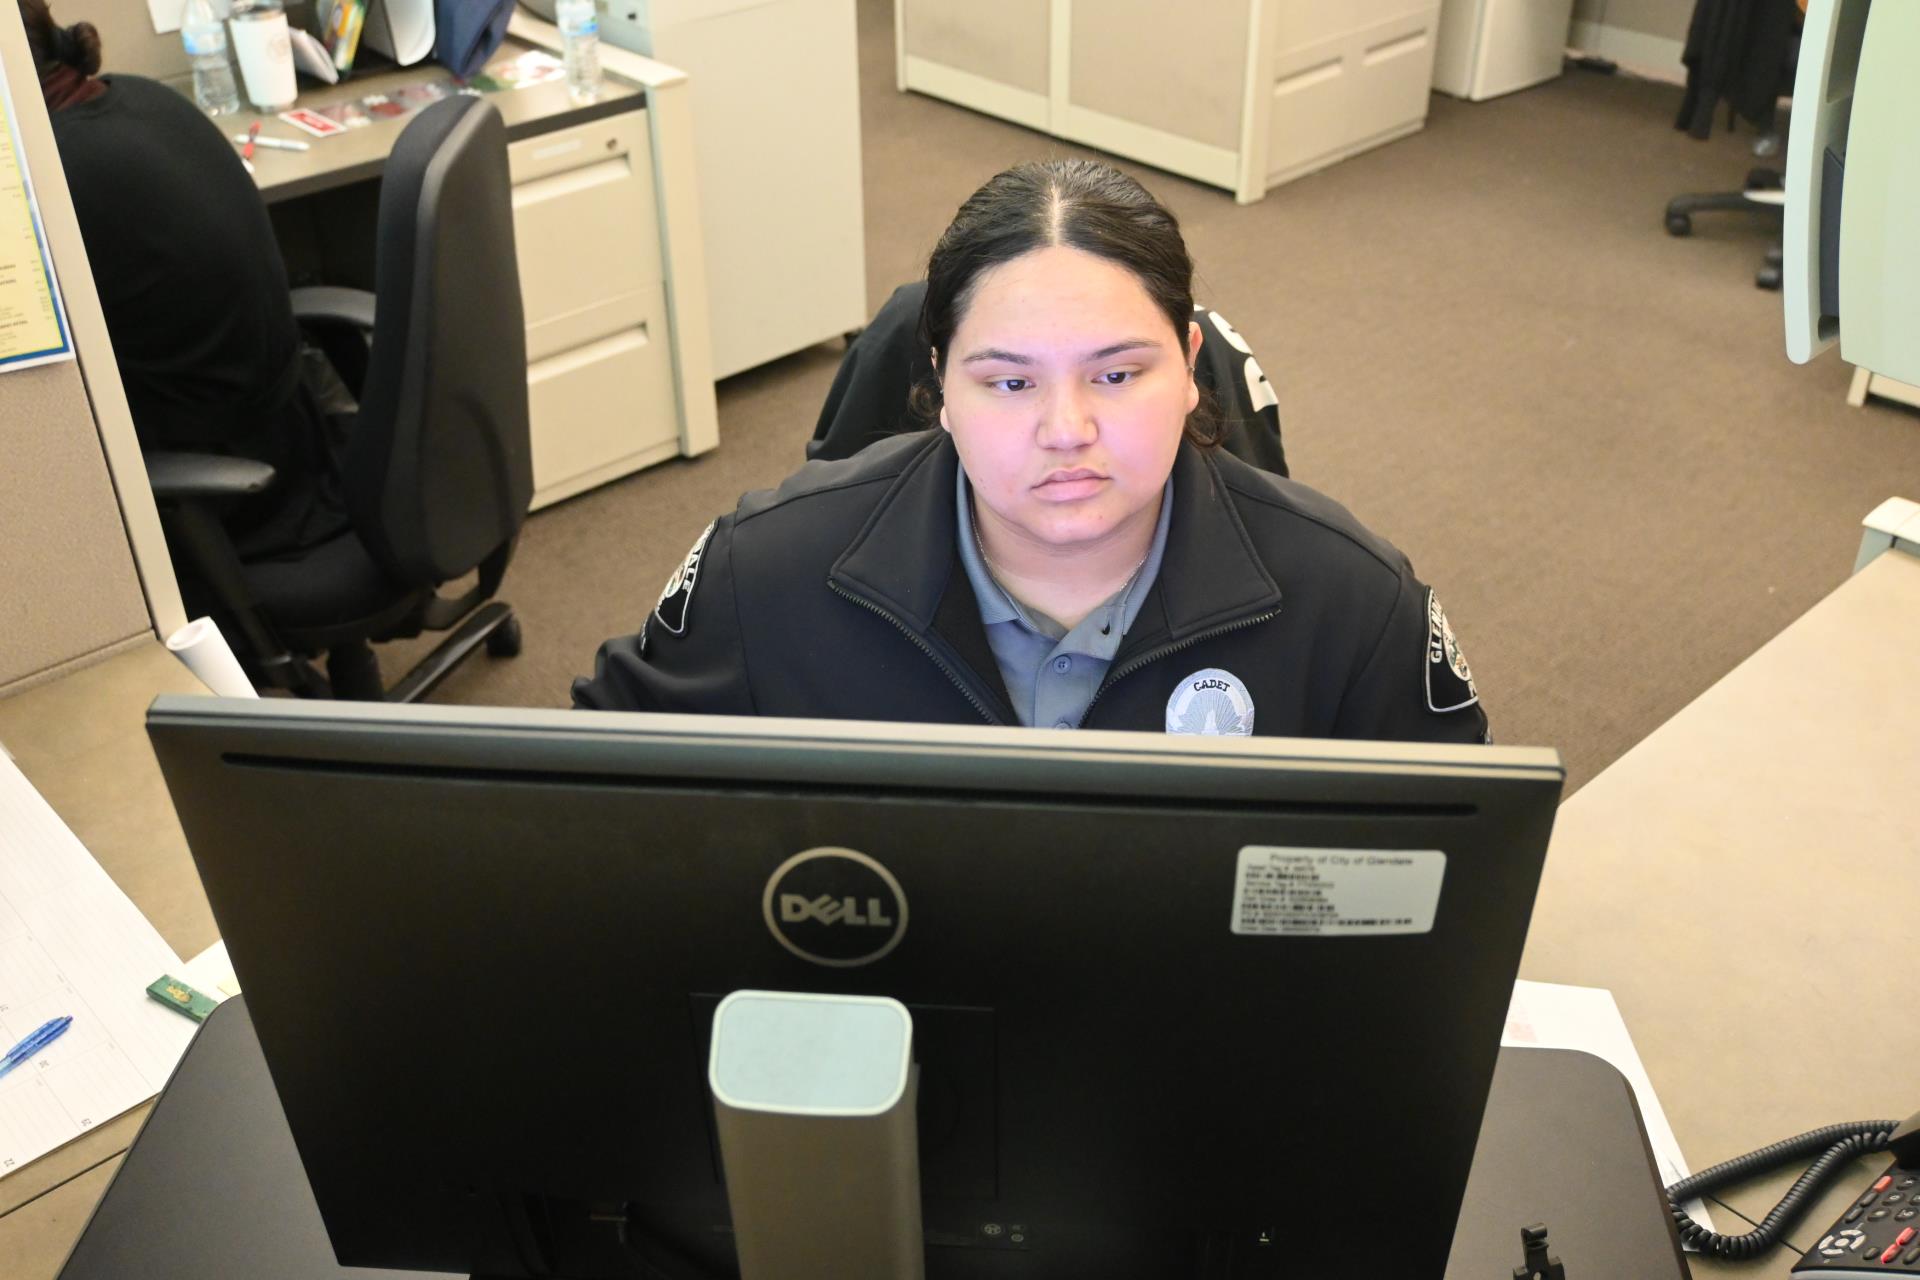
(905, 561)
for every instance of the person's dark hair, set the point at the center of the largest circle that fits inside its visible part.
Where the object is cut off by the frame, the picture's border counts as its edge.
(1083, 205)
(54, 46)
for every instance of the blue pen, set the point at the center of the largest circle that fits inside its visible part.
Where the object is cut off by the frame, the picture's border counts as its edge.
(40, 1038)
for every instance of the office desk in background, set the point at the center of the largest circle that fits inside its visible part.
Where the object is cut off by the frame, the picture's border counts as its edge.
(1740, 880)
(608, 237)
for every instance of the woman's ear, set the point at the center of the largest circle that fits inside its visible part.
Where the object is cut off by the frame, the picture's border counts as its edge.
(933, 354)
(1194, 339)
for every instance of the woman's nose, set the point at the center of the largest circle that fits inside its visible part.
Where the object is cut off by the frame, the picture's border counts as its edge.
(1067, 420)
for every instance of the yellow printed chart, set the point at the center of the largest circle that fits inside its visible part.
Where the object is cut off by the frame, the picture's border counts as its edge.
(33, 325)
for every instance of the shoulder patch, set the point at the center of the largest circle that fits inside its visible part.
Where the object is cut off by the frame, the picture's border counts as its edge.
(1450, 684)
(676, 598)
(1260, 393)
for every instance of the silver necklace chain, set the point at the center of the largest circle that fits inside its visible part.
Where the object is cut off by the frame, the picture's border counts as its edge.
(993, 570)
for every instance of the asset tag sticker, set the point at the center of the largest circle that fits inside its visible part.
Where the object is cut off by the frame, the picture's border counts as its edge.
(1321, 893)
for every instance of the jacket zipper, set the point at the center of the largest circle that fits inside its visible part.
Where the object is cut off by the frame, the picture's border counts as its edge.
(925, 648)
(1154, 655)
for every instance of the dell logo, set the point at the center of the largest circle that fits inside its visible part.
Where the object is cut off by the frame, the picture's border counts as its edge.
(827, 910)
(835, 907)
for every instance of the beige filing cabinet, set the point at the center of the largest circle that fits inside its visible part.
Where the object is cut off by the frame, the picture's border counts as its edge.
(609, 255)
(1241, 94)
(599, 369)
(775, 86)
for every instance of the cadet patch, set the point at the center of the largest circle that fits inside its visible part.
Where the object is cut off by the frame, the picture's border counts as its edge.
(1450, 684)
(1211, 702)
(676, 598)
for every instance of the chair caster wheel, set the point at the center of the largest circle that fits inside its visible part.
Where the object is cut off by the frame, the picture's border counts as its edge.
(504, 640)
(1679, 224)
(1767, 278)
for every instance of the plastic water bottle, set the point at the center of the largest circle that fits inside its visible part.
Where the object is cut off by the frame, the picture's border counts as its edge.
(580, 42)
(205, 37)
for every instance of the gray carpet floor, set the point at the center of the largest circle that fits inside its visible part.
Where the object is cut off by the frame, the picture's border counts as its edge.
(1584, 432)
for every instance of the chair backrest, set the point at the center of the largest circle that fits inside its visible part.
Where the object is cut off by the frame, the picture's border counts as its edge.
(439, 470)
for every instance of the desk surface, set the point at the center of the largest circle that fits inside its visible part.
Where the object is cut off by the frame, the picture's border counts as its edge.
(359, 153)
(1736, 879)
(81, 740)
(1742, 880)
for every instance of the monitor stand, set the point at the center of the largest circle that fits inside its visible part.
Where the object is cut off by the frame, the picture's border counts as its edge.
(213, 1185)
(806, 1082)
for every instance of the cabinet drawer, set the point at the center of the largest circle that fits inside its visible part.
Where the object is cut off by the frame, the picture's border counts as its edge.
(586, 230)
(597, 404)
(1304, 25)
(1333, 97)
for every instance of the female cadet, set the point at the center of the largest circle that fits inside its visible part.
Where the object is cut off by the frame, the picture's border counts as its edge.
(1068, 549)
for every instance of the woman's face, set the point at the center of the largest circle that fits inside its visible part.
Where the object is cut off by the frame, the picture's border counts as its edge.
(1066, 392)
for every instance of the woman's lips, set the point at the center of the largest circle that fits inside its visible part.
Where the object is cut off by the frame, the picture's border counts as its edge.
(1065, 486)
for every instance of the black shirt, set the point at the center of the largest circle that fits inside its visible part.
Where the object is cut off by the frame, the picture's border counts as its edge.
(195, 298)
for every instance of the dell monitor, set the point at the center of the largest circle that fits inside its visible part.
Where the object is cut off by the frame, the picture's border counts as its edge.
(1181, 1006)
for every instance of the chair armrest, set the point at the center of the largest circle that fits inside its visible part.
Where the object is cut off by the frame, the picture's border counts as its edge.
(182, 476)
(340, 306)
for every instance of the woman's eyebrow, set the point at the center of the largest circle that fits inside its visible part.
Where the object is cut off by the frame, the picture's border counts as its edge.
(1131, 344)
(1002, 356)
(996, 354)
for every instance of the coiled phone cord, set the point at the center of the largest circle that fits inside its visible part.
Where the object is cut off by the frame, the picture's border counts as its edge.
(1837, 1144)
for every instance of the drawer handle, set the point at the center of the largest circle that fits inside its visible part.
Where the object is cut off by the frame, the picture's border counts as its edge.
(1307, 79)
(566, 362)
(573, 181)
(1394, 48)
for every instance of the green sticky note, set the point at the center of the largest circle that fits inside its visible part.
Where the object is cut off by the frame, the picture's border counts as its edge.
(181, 998)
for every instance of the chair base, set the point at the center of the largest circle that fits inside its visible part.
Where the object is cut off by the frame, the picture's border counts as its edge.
(492, 624)
(353, 668)
(1762, 195)
(1680, 209)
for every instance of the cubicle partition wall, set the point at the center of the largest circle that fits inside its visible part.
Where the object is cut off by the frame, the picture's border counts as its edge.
(83, 564)
(1241, 94)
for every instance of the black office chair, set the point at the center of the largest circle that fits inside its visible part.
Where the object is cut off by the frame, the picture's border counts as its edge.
(438, 470)
(869, 398)
(1746, 54)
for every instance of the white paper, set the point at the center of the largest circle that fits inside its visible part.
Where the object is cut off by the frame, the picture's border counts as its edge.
(311, 57)
(72, 944)
(204, 650)
(401, 29)
(166, 15)
(1547, 1015)
(211, 973)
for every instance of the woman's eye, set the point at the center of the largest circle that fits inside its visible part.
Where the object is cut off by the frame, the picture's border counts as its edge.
(1011, 384)
(1117, 377)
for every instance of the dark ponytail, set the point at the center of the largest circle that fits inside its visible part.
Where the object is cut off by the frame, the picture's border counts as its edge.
(77, 46)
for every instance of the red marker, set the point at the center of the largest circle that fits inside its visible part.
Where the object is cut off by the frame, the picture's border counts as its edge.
(253, 131)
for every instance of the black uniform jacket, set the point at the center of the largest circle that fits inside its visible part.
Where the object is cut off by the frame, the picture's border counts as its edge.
(841, 595)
